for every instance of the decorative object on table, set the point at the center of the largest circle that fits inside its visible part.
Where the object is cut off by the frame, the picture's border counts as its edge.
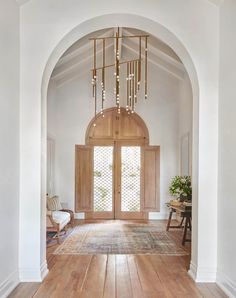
(175, 202)
(181, 188)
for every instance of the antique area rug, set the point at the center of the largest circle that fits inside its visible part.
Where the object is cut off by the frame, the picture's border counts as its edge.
(117, 238)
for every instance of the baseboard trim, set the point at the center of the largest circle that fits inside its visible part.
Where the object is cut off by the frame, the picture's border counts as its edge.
(44, 270)
(30, 275)
(192, 271)
(202, 274)
(157, 215)
(205, 274)
(79, 215)
(9, 284)
(33, 274)
(151, 215)
(226, 284)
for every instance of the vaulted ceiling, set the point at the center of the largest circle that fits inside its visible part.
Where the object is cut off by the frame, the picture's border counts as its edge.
(79, 57)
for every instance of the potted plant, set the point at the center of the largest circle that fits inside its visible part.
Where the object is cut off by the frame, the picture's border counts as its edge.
(181, 188)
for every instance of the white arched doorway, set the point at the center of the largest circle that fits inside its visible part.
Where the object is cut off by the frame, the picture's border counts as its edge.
(199, 186)
(147, 25)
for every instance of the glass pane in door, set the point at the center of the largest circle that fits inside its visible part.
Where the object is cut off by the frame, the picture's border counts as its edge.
(130, 179)
(103, 184)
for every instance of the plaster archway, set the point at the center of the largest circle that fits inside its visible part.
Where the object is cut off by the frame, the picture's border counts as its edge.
(154, 28)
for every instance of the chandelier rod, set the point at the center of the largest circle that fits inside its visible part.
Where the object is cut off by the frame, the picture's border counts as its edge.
(110, 65)
(114, 37)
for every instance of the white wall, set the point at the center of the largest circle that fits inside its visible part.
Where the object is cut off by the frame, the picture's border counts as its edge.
(73, 110)
(227, 147)
(198, 32)
(51, 120)
(51, 135)
(9, 145)
(185, 123)
(191, 28)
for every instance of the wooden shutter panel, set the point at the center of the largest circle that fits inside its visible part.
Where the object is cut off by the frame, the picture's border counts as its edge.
(151, 178)
(83, 178)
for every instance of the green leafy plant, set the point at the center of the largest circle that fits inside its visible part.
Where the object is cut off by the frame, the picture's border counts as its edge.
(181, 187)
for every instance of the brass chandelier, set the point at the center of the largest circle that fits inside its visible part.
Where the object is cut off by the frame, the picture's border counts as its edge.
(132, 73)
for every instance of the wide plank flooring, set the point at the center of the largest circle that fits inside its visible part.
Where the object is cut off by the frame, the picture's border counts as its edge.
(118, 276)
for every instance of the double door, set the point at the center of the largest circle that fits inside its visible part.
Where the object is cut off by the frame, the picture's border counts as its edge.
(117, 181)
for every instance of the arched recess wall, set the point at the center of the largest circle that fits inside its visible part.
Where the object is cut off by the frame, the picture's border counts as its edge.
(203, 261)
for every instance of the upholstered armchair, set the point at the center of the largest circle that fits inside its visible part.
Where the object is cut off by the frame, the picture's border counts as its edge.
(58, 218)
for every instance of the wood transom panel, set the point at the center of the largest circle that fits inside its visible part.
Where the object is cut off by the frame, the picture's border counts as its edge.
(114, 126)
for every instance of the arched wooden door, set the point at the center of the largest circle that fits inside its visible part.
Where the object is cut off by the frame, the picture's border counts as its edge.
(117, 173)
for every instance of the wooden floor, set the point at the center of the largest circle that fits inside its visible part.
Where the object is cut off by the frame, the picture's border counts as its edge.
(120, 276)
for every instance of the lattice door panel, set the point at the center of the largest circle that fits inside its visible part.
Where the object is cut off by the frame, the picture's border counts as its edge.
(130, 179)
(103, 178)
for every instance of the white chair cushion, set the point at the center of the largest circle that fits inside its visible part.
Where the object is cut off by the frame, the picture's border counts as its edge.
(61, 217)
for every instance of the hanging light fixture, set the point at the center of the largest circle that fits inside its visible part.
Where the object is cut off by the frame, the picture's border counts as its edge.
(133, 72)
